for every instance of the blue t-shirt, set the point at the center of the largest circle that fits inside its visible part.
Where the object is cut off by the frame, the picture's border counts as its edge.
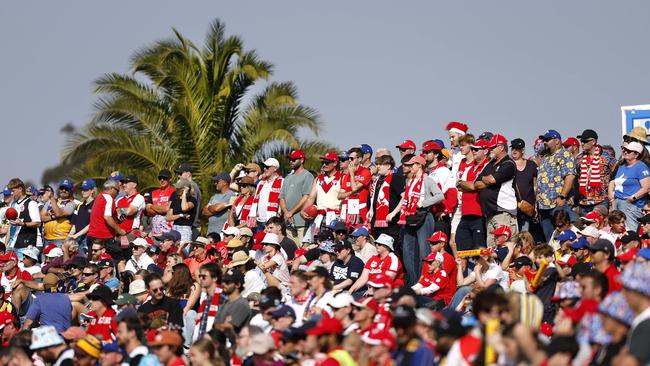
(628, 181)
(51, 309)
(113, 283)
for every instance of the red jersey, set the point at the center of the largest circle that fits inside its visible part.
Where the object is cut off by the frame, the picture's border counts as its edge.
(103, 206)
(384, 317)
(470, 201)
(161, 197)
(391, 263)
(8, 282)
(612, 273)
(362, 176)
(122, 204)
(450, 269)
(440, 278)
(104, 326)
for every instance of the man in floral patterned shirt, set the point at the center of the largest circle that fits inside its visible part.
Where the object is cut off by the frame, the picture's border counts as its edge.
(554, 180)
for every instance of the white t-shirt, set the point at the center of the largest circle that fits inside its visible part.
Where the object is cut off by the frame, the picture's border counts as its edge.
(253, 282)
(494, 271)
(31, 270)
(138, 202)
(143, 263)
(281, 270)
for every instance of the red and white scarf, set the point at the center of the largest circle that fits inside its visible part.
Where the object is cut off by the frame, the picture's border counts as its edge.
(245, 210)
(411, 198)
(212, 311)
(381, 206)
(590, 171)
(273, 202)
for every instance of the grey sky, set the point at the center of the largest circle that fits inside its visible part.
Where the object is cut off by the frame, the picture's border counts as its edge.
(378, 71)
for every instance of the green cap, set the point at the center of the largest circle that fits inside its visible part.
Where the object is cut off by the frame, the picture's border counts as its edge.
(126, 299)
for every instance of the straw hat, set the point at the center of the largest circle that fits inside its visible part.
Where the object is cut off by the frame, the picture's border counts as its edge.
(239, 258)
(638, 133)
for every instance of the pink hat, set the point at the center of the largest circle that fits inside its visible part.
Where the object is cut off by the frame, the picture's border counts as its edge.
(417, 159)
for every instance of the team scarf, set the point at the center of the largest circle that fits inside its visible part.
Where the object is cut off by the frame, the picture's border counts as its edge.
(590, 172)
(246, 209)
(212, 311)
(273, 204)
(382, 204)
(412, 197)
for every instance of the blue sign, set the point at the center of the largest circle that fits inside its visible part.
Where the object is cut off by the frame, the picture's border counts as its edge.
(634, 116)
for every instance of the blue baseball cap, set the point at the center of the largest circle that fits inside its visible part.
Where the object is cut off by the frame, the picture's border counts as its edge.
(581, 243)
(360, 231)
(116, 175)
(550, 134)
(87, 184)
(344, 156)
(567, 235)
(6, 191)
(66, 183)
(366, 149)
(440, 142)
(644, 253)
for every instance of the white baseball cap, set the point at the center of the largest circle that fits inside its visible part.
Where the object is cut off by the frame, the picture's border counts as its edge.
(590, 231)
(271, 238)
(341, 300)
(231, 230)
(137, 287)
(139, 242)
(386, 240)
(272, 162)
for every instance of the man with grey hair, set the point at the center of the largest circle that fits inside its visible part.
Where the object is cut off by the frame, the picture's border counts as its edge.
(102, 225)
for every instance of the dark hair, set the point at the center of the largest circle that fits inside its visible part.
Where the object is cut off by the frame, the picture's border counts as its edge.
(561, 218)
(213, 269)
(150, 278)
(99, 242)
(599, 280)
(272, 291)
(215, 237)
(486, 300)
(277, 221)
(406, 158)
(615, 216)
(385, 159)
(133, 324)
(466, 139)
(93, 267)
(356, 150)
(22, 340)
(563, 344)
(181, 281)
(543, 250)
(126, 277)
(143, 272)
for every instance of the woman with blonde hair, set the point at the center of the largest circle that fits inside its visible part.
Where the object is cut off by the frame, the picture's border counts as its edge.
(202, 353)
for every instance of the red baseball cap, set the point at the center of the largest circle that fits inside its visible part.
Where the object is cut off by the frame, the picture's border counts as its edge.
(481, 144)
(379, 337)
(571, 141)
(458, 127)
(592, 216)
(498, 139)
(407, 144)
(9, 256)
(431, 146)
(327, 325)
(5, 319)
(48, 248)
(380, 280)
(417, 159)
(330, 156)
(296, 154)
(438, 236)
(368, 303)
(502, 230)
(105, 256)
(628, 256)
(567, 260)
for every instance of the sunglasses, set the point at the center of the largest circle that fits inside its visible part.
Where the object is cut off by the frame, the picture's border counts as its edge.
(326, 162)
(155, 290)
(402, 149)
(64, 189)
(292, 160)
(627, 151)
(163, 178)
(586, 141)
(89, 273)
(95, 250)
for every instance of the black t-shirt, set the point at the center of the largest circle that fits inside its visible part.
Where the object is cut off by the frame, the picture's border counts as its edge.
(341, 271)
(81, 218)
(524, 182)
(289, 247)
(175, 205)
(490, 197)
(167, 311)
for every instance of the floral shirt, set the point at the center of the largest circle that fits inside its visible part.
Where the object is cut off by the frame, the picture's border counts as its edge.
(550, 177)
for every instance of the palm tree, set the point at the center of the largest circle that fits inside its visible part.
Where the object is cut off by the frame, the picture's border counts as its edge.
(188, 104)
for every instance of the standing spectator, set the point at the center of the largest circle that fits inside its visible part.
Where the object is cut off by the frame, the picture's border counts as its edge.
(81, 217)
(184, 171)
(354, 190)
(572, 145)
(241, 208)
(441, 175)
(183, 209)
(324, 193)
(631, 184)
(593, 173)
(366, 158)
(23, 231)
(102, 223)
(295, 192)
(103, 324)
(420, 195)
(465, 143)
(130, 206)
(496, 189)
(160, 203)
(385, 198)
(554, 181)
(217, 208)
(471, 228)
(266, 203)
(56, 213)
(525, 177)
(161, 309)
(455, 130)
